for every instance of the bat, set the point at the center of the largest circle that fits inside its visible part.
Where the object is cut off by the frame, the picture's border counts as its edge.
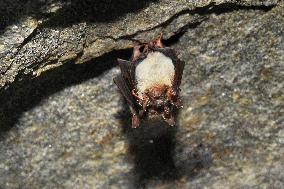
(150, 82)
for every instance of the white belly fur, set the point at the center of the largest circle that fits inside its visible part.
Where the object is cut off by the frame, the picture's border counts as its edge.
(156, 69)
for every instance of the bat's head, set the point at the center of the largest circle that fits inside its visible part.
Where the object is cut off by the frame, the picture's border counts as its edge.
(157, 95)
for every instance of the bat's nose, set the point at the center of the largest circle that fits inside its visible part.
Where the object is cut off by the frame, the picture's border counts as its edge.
(159, 102)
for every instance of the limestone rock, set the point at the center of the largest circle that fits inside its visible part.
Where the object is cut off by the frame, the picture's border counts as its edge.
(69, 127)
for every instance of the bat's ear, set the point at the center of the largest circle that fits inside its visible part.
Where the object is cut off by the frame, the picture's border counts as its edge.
(158, 42)
(136, 52)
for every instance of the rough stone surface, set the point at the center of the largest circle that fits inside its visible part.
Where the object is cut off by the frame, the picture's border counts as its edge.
(68, 128)
(42, 35)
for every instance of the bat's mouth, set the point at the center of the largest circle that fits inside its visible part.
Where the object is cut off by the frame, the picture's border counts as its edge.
(158, 106)
(160, 103)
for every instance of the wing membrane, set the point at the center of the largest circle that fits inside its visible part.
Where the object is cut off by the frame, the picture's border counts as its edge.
(126, 92)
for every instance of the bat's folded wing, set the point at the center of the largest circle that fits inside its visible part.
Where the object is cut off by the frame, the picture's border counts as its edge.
(126, 68)
(126, 92)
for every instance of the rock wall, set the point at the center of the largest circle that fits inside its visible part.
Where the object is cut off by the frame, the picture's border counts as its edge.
(64, 124)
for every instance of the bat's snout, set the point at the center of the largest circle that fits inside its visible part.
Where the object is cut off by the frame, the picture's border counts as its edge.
(159, 102)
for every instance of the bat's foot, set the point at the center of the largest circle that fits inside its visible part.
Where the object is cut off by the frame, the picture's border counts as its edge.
(136, 53)
(157, 43)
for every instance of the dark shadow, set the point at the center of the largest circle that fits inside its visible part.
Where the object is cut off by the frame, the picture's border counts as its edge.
(151, 149)
(156, 156)
(92, 11)
(229, 7)
(13, 10)
(27, 93)
(192, 161)
(70, 12)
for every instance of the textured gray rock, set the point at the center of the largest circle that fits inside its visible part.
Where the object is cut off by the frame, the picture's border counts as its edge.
(46, 34)
(68, 128)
